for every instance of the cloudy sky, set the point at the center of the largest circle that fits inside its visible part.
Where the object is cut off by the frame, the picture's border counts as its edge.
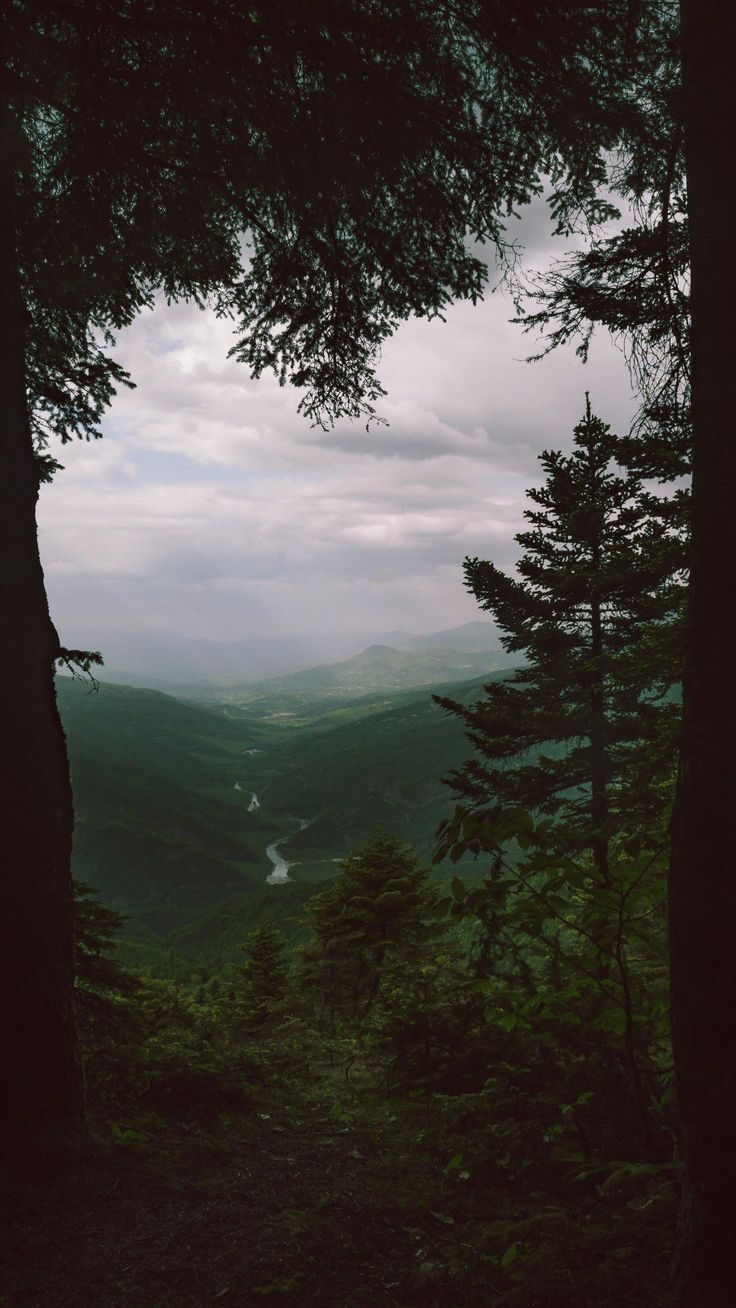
(212, 510)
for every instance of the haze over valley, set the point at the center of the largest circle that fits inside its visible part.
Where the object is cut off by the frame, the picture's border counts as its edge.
(180, 663)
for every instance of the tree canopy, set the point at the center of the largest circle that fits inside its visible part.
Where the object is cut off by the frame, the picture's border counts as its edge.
(315, 173)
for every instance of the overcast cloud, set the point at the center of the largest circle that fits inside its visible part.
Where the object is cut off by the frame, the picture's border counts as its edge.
(211, 509)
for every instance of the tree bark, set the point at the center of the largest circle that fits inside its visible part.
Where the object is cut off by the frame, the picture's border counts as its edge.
(702, 908)
(41, 1101)
(598, 752)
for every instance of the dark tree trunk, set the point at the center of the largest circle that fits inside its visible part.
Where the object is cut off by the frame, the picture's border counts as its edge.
(41, 1107)
(703, 865)
(598, 752)
(599, 811)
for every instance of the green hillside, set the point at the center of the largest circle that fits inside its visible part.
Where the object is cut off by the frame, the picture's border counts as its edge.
(383, 770)
(166, 828)
(160, 828)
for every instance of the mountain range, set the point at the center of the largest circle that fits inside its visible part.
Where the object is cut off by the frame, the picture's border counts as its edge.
(380, 668)
(168, 661)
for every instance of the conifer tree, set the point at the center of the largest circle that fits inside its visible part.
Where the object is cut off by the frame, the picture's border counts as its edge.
(576, 748)
(378, 910)
(600, 580)
(106, 998)
(667, 287)
(264, 976)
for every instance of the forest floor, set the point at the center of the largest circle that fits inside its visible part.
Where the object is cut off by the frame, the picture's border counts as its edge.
(284, 1209)
(279, 1214)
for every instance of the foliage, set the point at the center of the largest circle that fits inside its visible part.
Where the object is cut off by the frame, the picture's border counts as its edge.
(634, 282)
(377, 913)
(583, 731)
(486, 1107)
(529, 1076)
(262, 981)
(103, 987)
(571, 792)
(154, 151)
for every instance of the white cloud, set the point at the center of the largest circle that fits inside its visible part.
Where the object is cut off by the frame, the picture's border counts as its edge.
(212, 508)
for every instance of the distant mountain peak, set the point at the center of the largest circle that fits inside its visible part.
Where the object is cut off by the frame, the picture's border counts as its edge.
(379, 668)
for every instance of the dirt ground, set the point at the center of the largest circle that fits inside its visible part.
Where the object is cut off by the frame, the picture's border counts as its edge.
(292, 1207)
(280, 1215)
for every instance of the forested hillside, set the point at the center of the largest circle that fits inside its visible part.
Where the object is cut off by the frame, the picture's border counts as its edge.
(167, 828)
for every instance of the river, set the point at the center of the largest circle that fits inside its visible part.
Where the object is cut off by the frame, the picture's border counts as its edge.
(280, 872)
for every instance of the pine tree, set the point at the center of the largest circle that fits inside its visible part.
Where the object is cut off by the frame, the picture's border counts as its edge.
(263, 979)
(600, 581)
(576, 749)
(667, 287)
(99, 977)
(376, 912)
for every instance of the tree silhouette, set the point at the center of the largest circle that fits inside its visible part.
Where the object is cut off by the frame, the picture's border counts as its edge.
(582, 735)
(667, 286)
(580, 731)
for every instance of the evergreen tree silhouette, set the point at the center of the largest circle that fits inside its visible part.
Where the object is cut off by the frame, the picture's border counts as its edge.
(582, 732)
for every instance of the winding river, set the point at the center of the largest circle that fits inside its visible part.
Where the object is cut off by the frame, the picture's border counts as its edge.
(280, 871)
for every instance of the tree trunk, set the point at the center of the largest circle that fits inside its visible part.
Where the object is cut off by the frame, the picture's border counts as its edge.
(598, 752)
(703, 864)
(41, 1104)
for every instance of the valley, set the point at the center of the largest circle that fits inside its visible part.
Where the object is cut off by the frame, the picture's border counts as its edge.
(198, 820)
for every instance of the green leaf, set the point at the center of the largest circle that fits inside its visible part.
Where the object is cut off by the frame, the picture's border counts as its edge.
(510, 1255)
(458, 889)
